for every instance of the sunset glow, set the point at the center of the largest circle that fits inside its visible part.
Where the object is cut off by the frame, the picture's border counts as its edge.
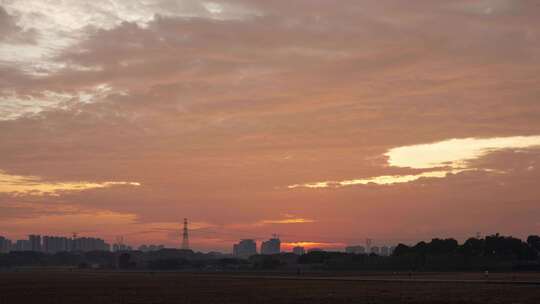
(455, 152)
(325, 123)
(288, 221)
(379, 180)
(32, 185)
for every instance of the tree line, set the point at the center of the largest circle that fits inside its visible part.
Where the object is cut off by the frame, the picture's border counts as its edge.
(494, 253)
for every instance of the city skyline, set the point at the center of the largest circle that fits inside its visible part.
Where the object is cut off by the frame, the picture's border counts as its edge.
(245, 248)
(326, 124)
(269, 245)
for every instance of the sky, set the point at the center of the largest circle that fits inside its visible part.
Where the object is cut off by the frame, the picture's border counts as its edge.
(324, 122)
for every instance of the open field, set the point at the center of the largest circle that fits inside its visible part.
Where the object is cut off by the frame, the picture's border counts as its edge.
(142, 287)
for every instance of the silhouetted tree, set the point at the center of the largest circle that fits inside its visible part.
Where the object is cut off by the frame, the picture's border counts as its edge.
(472, 247)
(508, 248)
(401, 250)
(442, 246)
(534, 242)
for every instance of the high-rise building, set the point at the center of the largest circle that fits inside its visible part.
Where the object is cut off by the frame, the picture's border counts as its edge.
(355, 249)
(299, 250)
(245, 248)
(385, 251)
(375, 250)
(54, 244)
(85, 244)
(5, 245)
(272, 246)
(35, 242)
(22, 245)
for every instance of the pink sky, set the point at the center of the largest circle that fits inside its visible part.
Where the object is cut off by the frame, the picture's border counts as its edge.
(324, 123)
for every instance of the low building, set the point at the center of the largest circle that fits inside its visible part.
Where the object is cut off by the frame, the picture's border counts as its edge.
(299, 250)
(355, 249)
(121, 247)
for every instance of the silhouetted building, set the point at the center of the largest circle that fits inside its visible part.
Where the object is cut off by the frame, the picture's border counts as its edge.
(245, 248)
(375, 250)
(22, 245)
(5, 245)
(54, 244)
(272, 246)
(35, 242)
(85, 244)
(121, 247)
(385, 251)
(315, 250)
(355, 249)
(298, 250)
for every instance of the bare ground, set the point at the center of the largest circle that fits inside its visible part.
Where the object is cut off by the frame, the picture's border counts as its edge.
(75, 287)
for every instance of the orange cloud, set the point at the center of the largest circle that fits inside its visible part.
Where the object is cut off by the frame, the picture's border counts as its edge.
(33, 185)
(453, 153)
(287, 221)
(216, 115)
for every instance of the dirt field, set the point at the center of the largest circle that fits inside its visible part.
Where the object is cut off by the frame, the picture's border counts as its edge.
(100, 287)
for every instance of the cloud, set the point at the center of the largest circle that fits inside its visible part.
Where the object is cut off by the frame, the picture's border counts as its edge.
(60, 26)
(489, 7)
(14, 106)
(286, 221)
(214, 106)
(379, 180)
(96, 223)
(33, 185)
(11, 32)
(456, 154)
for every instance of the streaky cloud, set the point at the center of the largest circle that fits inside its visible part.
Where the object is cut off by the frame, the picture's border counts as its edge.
(378, 180)
(33, 185)
(287, 221)
(454, 154)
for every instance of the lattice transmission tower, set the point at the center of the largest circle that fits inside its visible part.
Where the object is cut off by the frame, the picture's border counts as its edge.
(185, 236)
